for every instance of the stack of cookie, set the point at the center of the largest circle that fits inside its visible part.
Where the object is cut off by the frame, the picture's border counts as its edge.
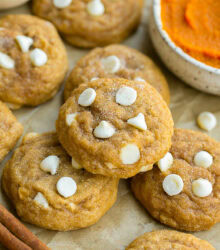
(112, 128)
(115, 123)
(115, 127)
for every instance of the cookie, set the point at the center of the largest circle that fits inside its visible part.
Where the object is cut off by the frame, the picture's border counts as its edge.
(117, 61)
(115, 127)
(10, 130)
(33, 60)
(183, 192)
(91, 23)
(49, 192)
(169, 240)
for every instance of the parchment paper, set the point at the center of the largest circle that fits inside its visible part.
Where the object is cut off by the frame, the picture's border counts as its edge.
(126, 220)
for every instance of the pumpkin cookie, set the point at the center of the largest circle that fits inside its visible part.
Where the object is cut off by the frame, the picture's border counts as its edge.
(91, 23)
(115, 127)
(169, 240)
(117, 61)
(33, 60)
(10, 130)
(49, 192)
(186, 184)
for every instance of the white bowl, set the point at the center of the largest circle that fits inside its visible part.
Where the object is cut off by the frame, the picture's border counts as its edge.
(6, 4)
(195, 73)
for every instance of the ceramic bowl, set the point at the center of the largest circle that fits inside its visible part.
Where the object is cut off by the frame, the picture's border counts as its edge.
(6, 4)
(193, 72)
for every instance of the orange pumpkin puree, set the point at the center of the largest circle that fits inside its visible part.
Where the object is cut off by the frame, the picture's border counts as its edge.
(194, 26)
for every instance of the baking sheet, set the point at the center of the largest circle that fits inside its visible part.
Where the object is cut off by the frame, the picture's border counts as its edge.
(126, 220)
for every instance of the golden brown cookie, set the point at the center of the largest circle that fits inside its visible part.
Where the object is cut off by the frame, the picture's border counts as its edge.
(184, 191)
(91, 23)
(169, 240)
(48, 192)
(115, 127)
(33, 60)
(117, 61)
(10, 130)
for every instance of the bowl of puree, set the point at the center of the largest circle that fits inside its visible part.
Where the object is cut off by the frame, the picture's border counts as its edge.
(6, 4)
(186, 35)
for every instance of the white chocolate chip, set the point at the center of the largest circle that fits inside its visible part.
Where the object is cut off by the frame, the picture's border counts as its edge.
(203, 159)
(6, 61)
(40, 199)
(104, 130)
(139, 79)
(95, 8)
(130, 154)
(24, 42)
(206, 121)
(94, 79)
(47, 23)
(173, 184)
(70, 118)
(145, 168)
(50, 164)
(110, 165)
(38, 57)
(111, 64)
(75, 164)
(126, 96)
(166, 162)
(62, 3)
(202, 187)
(87, 97)
(12, 105)
(72, 206)
(29, 136)
(66, 186)
(138, 122)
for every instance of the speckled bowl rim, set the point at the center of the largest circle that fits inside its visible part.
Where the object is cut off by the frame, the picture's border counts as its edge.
(178, 50)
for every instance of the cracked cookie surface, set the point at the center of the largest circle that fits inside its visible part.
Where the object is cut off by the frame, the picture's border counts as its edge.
(133, 65)
(187, 210)
(10, 130)
(138, 134)
(81, 28)
(35, 74)
(169, 240)
(35, 192)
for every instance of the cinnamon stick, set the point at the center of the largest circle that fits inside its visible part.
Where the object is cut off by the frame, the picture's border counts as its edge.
(19, 230)
(8, 240)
